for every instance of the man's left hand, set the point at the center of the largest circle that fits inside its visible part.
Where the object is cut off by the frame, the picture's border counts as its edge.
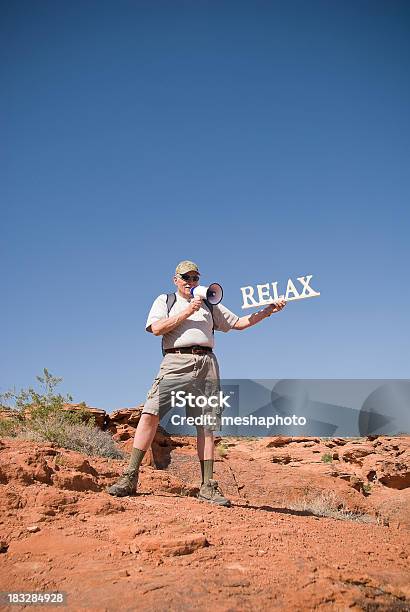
(276, 306)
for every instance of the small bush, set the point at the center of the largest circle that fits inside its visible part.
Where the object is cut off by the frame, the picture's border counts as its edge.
(222, 449)
(327, 458)
(34, 402)
(41, 417)
(80, 437)
(328, 504)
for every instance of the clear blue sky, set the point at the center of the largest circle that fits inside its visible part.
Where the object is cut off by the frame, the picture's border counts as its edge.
(264, 140)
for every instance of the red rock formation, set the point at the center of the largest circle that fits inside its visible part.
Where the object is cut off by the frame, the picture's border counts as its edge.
(61, 531)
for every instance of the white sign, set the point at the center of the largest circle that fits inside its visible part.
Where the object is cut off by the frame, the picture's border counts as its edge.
(268, 293)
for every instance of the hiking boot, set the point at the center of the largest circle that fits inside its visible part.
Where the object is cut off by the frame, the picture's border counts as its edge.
(125, 485)
(211, 492)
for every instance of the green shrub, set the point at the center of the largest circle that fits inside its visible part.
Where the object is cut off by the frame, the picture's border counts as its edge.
(327, 458)
(34, 403)
(41, 417)
(80, 437)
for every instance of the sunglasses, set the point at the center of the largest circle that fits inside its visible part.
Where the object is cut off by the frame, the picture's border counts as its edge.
(187, 277)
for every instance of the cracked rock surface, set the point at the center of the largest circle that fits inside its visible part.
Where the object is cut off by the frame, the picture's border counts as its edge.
(164, 550)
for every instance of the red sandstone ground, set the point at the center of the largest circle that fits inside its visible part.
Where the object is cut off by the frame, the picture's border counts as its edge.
(164, 550)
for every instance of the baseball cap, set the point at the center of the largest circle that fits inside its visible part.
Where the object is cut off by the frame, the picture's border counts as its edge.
(186, 266)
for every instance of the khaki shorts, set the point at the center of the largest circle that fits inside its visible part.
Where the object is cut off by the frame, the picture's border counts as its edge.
(198, 374)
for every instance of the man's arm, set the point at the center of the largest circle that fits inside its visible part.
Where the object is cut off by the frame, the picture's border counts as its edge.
(159, 328)
(257, 317)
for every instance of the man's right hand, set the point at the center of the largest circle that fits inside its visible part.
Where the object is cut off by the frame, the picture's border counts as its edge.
(194, 305)
(164, 326)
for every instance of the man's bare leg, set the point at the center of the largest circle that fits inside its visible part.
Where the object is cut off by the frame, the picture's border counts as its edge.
(145, 432)
(143, 438)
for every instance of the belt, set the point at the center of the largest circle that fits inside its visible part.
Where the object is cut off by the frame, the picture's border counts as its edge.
(195, 350)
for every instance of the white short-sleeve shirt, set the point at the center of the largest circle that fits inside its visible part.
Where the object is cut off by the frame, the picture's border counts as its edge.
(197, 328)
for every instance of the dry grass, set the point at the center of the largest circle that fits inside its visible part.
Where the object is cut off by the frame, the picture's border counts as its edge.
(329, 505)
(57, 427)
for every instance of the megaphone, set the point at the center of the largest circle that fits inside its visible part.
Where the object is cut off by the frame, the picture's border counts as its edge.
(214, 293)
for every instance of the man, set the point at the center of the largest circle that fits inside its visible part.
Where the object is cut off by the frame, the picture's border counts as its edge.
(188, 340)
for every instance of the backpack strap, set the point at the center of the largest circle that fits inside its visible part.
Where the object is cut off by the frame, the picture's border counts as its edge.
(171, 299)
